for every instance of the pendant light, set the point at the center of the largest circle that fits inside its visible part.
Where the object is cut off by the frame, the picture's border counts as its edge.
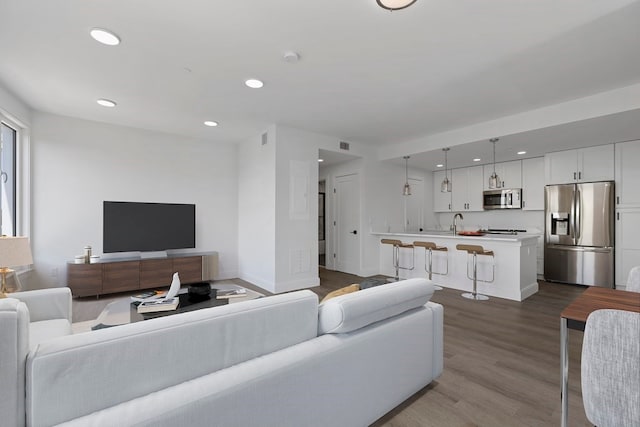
(395, 4)
(494, 180)
(406, 190)
(445, 187)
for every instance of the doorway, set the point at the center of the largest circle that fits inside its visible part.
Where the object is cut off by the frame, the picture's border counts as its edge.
(322, 232)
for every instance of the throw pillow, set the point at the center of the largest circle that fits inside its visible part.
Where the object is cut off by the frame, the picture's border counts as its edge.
(341, 291)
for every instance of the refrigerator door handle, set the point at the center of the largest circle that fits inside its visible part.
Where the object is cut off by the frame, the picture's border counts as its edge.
(572, 217)
(578, 221)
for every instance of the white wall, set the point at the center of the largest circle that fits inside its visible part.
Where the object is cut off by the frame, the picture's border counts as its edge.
(77, 164)
(296, 209)
(13, 107)
(257, 210)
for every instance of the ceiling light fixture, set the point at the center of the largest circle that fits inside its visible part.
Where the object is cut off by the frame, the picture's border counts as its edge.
(254, 83)
(395, 4)
(320, 160)
(520, 153)
(477, 159)
(106, 102)
(445, 187)
(439, 165)
(406, 190)
(104, 36)
(211, 123)
(494, 180)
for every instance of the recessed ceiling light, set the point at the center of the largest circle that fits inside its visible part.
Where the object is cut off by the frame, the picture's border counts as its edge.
(439, 166)
(211, 123)
(106, 102)
(320, 160)
(254, 83)
(105, 36)
(476, 160)
(520, 153)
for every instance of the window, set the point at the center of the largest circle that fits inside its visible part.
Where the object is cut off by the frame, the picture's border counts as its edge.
(8, 160)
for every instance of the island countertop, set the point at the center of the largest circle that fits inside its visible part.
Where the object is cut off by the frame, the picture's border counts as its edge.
(520, 237)
(512, 265)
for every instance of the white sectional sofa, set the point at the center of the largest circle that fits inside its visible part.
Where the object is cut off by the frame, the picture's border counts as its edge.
(279, 361)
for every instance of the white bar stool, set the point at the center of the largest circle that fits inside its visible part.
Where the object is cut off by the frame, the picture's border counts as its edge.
(476, 250)
(429, 247)
(397, 244)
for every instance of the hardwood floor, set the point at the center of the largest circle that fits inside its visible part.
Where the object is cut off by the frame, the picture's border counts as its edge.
(501, 360)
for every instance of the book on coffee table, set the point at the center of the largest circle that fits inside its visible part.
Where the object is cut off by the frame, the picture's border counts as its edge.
(231, 293)
(158, 305)
(148, 295)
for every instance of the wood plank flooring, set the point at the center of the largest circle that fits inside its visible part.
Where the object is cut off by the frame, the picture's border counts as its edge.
(501, 366)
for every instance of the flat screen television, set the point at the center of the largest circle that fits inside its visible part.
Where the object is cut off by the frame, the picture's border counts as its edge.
(147, 227)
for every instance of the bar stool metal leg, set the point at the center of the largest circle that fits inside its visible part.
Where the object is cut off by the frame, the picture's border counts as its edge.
(430, 247)
(397, 244)
(476, 250)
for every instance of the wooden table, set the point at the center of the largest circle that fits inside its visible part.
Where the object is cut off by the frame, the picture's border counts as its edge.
(575, 315)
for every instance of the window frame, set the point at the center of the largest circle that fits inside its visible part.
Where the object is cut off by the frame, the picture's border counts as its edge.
(22, 175)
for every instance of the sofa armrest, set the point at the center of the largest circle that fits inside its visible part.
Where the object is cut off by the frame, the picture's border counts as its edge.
(46, 304)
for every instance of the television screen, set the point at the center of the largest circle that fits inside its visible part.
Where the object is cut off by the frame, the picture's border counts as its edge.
(144, 227)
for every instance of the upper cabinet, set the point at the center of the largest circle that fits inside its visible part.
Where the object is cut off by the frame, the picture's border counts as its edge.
(627, 174)
(441, 201)
(509, 173)
(581, 165)
(533, 184)
(466, 194)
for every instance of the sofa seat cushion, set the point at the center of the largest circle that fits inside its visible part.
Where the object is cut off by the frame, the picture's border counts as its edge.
(47, 329)
(353, 311)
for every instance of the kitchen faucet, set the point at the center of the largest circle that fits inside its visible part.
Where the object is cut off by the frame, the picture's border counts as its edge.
(455, 222)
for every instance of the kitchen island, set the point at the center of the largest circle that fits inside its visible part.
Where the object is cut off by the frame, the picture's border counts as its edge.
(514, 257)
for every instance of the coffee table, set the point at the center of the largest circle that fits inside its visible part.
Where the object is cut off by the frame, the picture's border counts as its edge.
(122, 311)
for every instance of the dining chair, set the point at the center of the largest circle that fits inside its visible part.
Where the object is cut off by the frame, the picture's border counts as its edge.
(633, 280)
(611, 368)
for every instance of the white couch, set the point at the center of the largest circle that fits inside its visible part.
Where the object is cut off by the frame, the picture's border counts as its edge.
(283, 360)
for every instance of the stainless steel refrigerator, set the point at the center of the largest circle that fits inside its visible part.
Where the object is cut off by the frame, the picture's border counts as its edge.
(579, 233)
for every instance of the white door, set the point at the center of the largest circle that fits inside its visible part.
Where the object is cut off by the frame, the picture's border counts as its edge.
(346, 225)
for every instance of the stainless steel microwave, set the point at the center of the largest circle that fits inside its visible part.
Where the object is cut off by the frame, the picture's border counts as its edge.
(505, 198)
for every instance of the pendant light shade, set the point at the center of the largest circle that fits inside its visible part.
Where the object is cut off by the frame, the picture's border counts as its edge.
(445, 187)
(395, 4)
(494, 179)
(406, 190)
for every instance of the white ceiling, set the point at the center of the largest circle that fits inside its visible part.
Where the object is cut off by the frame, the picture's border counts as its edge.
(365, 74)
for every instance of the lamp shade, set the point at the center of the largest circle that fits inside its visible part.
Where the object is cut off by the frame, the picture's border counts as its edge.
(395, 4)
(15, 251)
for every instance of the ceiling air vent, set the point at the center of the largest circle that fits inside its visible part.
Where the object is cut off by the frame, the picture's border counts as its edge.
(264, 138)
(344, 145)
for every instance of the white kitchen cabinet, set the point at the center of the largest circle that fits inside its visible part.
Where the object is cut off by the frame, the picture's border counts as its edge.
(441, 201)
(581, 165)
(510, 174)
(627, 254)
(533, 184)
(628, 174)
(466, 194)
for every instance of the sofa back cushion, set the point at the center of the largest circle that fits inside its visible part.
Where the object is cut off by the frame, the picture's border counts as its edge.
(14, 347)
(80, 374)
(353, 311)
